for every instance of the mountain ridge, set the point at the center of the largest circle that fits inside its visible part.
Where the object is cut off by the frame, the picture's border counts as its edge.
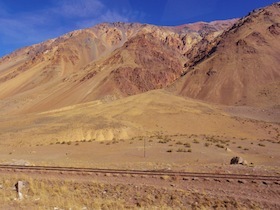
(245, 57)
(220, 62)
(80, 54)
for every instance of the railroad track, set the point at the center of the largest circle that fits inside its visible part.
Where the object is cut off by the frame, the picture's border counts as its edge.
(47, 169)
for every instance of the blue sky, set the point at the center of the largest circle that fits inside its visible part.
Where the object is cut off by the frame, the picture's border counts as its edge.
(27, 22)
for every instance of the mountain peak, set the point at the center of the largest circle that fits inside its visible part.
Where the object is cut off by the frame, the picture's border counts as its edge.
(114, 60)
(238, 66)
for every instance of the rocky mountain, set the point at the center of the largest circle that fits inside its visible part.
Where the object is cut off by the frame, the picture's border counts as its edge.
(239, 67)
(122, 80)
(105, 62)
(225, 62)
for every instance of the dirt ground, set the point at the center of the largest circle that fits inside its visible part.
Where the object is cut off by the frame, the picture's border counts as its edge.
(184, 153)
(193, 153)
(116, 191)
(145, 133)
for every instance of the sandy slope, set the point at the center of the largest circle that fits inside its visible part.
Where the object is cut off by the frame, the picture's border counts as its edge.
(152, 113)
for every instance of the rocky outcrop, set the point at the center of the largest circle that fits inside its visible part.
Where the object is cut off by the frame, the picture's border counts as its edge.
(238, 160)
(20, 186)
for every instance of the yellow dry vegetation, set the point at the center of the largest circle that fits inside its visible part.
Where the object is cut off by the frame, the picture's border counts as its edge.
(147, 114)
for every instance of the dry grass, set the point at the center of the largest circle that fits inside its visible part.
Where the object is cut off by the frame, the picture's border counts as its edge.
(181, 150)
(48, 194)
(67, 194)
(261, 145)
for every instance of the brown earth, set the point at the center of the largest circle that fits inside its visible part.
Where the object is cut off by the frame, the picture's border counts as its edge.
(147, 114)
(123, 191)
(240, 67)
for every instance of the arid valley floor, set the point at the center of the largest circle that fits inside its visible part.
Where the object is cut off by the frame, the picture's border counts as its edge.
(194, 148)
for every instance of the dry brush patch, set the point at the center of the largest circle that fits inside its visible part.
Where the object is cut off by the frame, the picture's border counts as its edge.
(54, 192)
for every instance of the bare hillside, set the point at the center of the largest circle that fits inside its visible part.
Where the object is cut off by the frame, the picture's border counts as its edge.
(239, 67)
(107, 61)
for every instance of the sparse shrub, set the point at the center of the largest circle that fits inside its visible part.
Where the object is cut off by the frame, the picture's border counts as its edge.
(195, 141)
(163, 141)
(187, 144)
(246, 149)
(240, 147)
(222, 141)
(261, 145)
(179, 143)
(181, 150)
(165, 177)
(220, 146)
(170, 150)
(206, 144)
(189, 150)
(69, 143)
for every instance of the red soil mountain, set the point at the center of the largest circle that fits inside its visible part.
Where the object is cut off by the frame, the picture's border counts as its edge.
(239, 67)
(104, 62)
(217, 62)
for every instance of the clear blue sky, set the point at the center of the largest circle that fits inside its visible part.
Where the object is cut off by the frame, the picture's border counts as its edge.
(26, 22)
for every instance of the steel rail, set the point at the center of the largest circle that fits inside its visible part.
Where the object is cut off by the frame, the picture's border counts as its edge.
(141, 172)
